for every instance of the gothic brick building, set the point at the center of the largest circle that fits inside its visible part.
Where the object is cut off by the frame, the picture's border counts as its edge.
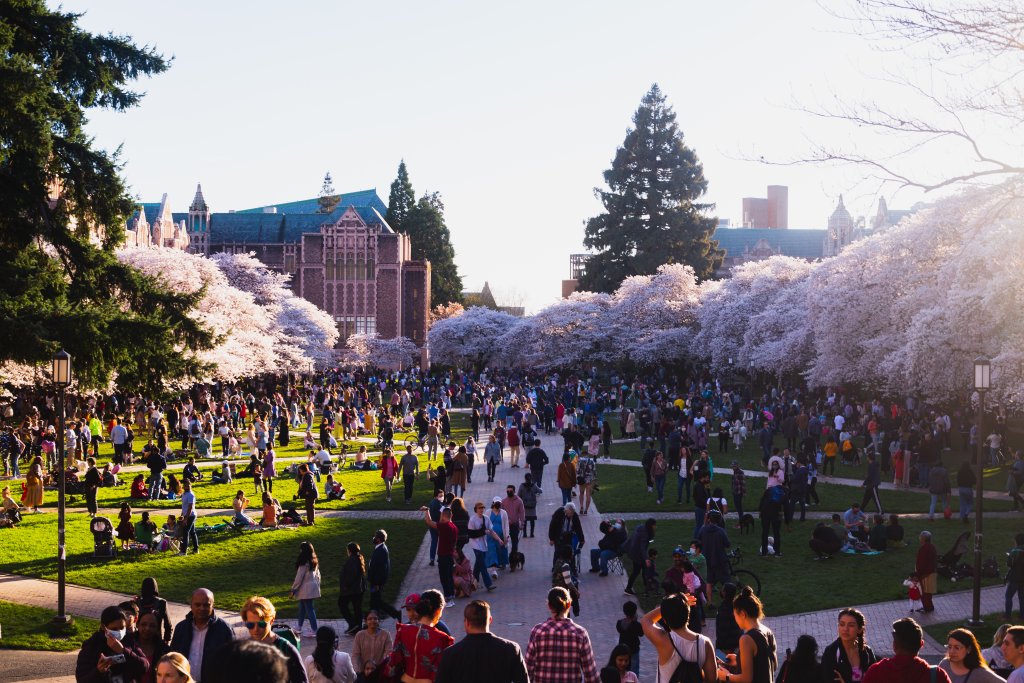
(348, 262)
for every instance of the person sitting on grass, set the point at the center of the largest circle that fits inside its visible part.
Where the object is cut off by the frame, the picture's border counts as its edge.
(191, 473)
(878, 537)
(145, 531)
(239, 504)
(110, 479)
(333, 490)
(271, 511)
(174, 487)
(11, 507)
(139, 490)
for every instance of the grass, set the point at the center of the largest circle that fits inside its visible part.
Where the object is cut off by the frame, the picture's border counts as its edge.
(234, 566)
(29, 628)
(794, 584)
(623, 490)
(365, 491)
(984, 633)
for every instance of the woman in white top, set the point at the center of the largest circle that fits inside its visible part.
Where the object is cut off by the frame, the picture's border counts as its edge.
(679, 642)
(327, 664)
(306, 587)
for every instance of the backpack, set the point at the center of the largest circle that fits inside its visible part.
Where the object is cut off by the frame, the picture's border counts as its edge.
(776, 494)
(687, 671)
(529, 497)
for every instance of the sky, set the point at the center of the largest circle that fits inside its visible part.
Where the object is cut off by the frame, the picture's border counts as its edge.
(511, 111)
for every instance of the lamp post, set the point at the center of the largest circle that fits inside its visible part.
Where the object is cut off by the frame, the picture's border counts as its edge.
(982, 383)
(61, 380)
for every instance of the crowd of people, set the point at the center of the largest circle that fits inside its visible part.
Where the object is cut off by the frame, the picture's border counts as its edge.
(520, 420)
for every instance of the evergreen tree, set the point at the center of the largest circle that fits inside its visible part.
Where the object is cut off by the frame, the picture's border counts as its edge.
(432, 241)
(651, 212)
(63, 206)
(328, 201)
(401, 200)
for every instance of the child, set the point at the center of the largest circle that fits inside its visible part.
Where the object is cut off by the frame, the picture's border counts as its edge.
(618, 666)
(561, 575)
(700, 565)
(630, 633)
(913, 584)
(651, 572)
(695, 586)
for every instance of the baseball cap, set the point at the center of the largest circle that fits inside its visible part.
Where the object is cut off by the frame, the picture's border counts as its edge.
(411, 600)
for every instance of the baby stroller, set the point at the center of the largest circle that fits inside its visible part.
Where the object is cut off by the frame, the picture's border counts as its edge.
(103, 537)
(950, 566)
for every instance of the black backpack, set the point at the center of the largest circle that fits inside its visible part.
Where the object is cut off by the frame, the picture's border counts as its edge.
(687, 671)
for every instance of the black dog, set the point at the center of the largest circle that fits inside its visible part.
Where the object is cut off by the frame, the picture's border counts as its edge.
(516, 561)
(747, 523)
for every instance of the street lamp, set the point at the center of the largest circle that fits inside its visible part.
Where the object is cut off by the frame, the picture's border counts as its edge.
(61, 380)
(982, 383)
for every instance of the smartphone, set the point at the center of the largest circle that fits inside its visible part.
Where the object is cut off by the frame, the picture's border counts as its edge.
(116, 659)
(721, 656)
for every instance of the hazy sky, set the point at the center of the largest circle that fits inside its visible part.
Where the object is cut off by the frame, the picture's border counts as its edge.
(510, 110)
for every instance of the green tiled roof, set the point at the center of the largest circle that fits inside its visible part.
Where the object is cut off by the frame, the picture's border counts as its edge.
(807, 244)
(360, 198)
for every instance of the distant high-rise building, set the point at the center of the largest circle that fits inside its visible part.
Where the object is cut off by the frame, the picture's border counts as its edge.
(767, 212)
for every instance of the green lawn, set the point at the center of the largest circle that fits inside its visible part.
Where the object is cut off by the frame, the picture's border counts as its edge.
(365, 491)
(795, 583)
(29, 628)
(623, 490)
(234, 566)
(984, 634)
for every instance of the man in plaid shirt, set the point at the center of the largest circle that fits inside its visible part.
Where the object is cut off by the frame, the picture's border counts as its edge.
(559, 649)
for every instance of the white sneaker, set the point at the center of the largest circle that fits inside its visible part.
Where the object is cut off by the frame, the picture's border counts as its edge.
(308, 633)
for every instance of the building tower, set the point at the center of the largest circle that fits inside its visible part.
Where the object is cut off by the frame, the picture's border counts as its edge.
(840, 230)
(198, 225)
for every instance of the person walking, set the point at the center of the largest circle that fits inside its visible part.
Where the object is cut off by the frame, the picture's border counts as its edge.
(965, 481)
(410, 467)
(306, 587)
(926, 566)
(516, 511)
(481, 655)
(567, 476)
(536, 460)
(480, 529)
(388, 471)
(636, 549)
(188, 518)
(378, 574)
(351, 589)
(559, 650)
(872, 481)
(447, 536)
(308, 492)
(1015, 578)
(492, 456)
(204, 629)
(939, 488)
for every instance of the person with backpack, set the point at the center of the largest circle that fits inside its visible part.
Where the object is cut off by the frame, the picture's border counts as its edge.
(528, 492)
(683, 655)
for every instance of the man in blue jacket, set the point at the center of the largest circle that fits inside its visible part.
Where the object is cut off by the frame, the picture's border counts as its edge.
(201, 634)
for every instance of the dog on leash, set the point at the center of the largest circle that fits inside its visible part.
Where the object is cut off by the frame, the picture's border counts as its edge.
(747, 523)
(516, 561)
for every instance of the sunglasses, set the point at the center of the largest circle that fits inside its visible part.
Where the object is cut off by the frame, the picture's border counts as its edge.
(253, 624)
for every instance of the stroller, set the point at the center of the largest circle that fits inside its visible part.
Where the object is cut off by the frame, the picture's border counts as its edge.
(103, 537)
(950, 565)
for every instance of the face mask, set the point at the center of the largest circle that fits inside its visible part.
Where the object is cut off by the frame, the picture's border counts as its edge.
(117, 635)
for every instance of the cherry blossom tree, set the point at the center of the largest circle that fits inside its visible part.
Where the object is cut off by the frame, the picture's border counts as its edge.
(369, 350)
(652, 316)
(469, 339)
(304, 332)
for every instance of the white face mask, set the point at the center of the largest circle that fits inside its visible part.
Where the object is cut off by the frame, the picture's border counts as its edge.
(117, 635)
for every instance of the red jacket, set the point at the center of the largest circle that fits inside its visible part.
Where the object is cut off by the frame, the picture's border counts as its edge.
(903, 669)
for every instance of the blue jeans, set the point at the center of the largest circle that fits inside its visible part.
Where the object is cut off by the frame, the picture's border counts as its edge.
(683, 482)
(966, 501)
(1012, 588)
(566, 496)
(599, 559)
(634, 663)
(698, 516)
(659, 486)
(480, 567)
(156, 482)
(307, 611)
(433, 543)
(935, 498)
(190, 535)
(922, 474)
